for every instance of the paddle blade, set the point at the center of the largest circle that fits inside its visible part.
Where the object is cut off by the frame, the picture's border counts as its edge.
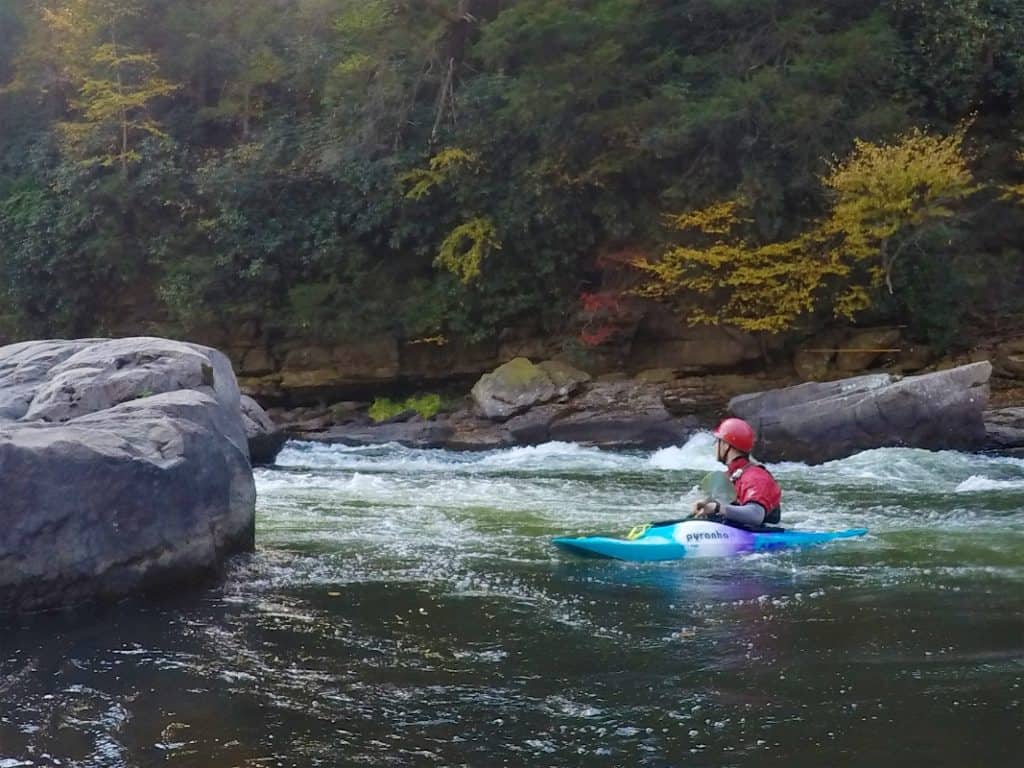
(716, 485)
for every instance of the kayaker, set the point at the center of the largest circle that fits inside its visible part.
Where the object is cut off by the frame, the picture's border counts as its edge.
(757, 494)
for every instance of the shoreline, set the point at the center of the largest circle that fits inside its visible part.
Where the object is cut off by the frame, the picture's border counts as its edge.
(625, 423)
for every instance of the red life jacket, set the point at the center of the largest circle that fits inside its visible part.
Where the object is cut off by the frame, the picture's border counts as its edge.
(755, 483)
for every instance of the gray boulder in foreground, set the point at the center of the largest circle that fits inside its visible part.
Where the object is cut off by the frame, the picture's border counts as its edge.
(817, 422)
(123, 468)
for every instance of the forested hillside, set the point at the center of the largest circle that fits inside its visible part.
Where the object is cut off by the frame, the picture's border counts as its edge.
(445, 168)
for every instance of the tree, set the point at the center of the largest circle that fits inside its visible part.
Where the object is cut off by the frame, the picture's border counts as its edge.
(114, 85)
(966, 53)
(884, 197)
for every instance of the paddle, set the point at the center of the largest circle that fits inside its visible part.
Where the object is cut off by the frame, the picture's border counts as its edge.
(715, 485)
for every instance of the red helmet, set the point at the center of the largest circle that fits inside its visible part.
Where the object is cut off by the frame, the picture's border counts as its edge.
(737, 433)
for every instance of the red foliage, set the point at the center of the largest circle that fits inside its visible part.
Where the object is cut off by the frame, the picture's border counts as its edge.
(597, 302)
(597, 337)
(602, 317)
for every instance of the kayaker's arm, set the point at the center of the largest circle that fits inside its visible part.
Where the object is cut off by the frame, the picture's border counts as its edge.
(750, 514)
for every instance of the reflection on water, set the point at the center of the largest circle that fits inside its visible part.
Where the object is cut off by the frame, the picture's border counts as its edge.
(405, 608)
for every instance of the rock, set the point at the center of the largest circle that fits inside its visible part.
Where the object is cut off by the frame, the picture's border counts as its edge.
(535, 347)
(1004, 428)
(407, 414)
(24, 367)
(620, 415)
(565, 377)
(661, 343)
(913, 358)
(421, 434)
(424, 362)
(656, 376)
(513, 388)
(314, 423)
(707, 396)
(534, 426)
(312, 370)
(346, 409)
(123, 467)
(861, 350)
(816, 422)
(977, 355)
(1009, 358)
(835, 354)
(268, 387)
(474, 434)
(813, 359)
(256, 362)
(264, 437)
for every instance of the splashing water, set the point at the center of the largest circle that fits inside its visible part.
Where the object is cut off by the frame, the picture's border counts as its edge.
(404, 607)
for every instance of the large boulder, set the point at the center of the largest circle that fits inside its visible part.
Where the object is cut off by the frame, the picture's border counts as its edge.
(816, 422)
(518, 385)
(621, 415)
(265, 438)
(123, 467)
(610, 414)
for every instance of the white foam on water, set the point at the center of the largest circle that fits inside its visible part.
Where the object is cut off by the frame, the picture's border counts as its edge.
(697, 454)
(977, 483)
(556, 456)
(340, 514)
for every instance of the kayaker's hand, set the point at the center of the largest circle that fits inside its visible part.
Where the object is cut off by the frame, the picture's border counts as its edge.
(707, 508)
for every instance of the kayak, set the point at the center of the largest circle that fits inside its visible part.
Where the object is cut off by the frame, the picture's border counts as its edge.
(697, 538)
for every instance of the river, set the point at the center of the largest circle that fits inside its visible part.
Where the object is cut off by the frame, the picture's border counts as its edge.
(405, 608)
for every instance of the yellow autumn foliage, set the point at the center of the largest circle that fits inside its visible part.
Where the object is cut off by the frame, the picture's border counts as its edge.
(881, 194)
(420, 182)
(466, 246)
(1015, 192)
(113, 85)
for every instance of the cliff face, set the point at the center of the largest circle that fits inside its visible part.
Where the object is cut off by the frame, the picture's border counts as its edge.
(298, 371)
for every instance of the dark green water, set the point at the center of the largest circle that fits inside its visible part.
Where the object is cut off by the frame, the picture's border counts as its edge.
(405, 608)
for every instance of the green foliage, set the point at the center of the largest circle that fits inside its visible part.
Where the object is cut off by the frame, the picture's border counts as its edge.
(339, 168)
(426, 405)
(967, 54)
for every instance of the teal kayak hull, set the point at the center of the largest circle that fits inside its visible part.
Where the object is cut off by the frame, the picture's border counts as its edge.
(697, 538)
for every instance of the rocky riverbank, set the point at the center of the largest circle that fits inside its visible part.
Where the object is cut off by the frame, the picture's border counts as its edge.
(523, 404)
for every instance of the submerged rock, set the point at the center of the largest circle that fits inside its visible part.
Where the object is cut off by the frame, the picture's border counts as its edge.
(123, 467)
(817, 422)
